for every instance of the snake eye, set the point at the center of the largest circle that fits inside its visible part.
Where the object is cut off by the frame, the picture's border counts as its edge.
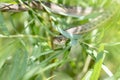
(59, 39)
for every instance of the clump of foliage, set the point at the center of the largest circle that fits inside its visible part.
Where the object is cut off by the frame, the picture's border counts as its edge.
(28, 52)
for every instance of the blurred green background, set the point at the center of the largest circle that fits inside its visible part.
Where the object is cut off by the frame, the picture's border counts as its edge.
(27, 50)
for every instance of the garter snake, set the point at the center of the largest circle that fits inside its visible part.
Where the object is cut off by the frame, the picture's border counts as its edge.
(63, 10)
(106, 16)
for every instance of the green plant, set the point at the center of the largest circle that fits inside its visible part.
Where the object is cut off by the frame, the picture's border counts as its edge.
(28, 52)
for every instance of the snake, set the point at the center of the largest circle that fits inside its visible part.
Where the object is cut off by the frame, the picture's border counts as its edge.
(62, 10)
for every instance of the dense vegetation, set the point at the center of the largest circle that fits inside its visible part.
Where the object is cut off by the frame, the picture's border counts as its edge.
(28, 52)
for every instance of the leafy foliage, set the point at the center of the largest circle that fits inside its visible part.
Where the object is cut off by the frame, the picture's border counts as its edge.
(28, 52)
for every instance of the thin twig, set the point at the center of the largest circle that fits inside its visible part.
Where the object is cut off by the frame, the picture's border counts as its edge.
(85, 68)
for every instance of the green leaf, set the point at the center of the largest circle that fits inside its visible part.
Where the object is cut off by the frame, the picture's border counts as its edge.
(15, 67)
(97, 67)
(3, 27)
(5, 50)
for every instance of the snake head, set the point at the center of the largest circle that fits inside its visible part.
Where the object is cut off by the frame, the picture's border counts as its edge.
(59, 40)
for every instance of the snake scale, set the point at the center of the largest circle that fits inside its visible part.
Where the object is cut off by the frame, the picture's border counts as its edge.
(61, 10)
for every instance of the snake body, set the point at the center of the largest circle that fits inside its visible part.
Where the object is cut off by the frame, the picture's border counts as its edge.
(90, 25)
(34, 4)
(60, 40)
